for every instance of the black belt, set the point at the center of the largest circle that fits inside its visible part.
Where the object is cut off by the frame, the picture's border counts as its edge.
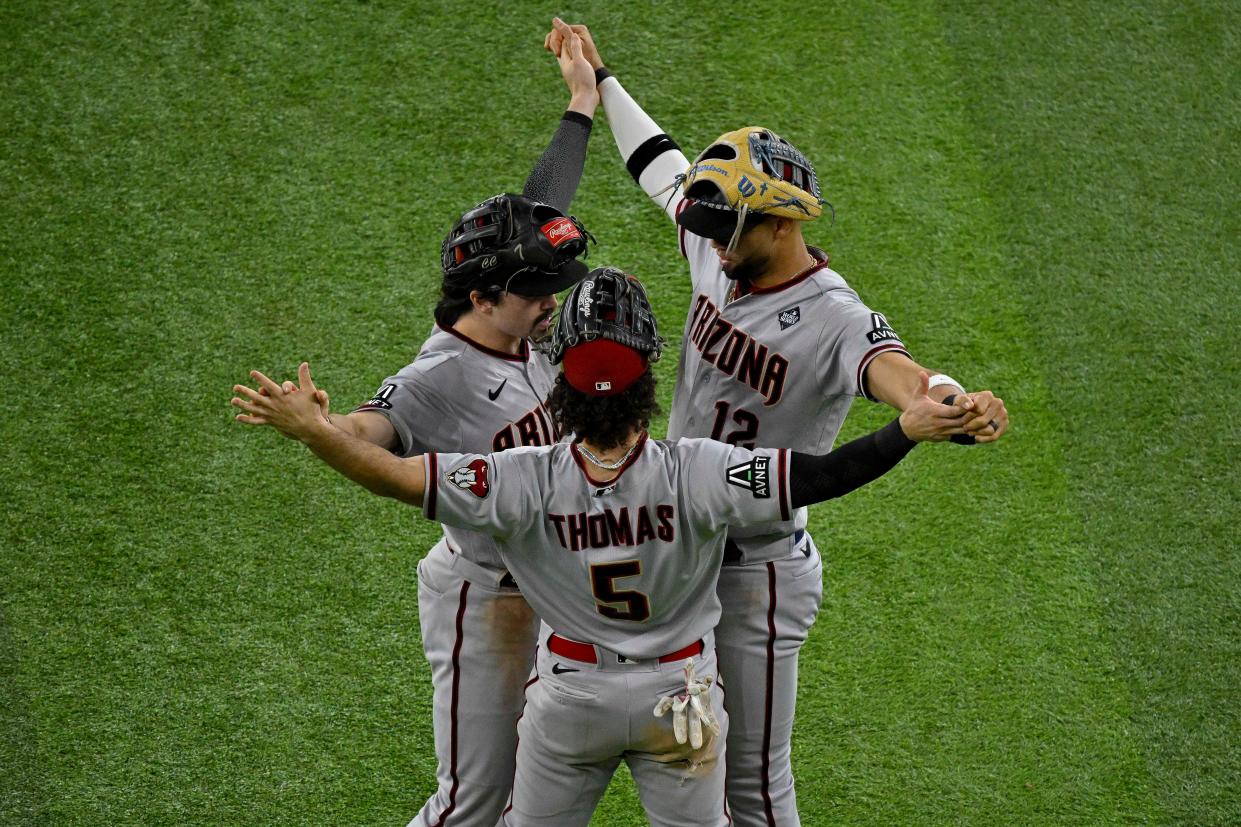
(733, 553)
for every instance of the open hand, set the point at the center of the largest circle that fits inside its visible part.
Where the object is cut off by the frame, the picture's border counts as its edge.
(292, 410)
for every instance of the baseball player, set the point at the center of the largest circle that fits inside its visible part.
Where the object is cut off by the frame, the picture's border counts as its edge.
(617, 540)
(776, 347)
(477, 386)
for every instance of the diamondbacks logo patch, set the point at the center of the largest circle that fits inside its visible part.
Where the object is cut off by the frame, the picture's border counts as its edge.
(789, 317)
(880, 330)
(472, 478)
(753, 476)
(560, 230)
(380, 399)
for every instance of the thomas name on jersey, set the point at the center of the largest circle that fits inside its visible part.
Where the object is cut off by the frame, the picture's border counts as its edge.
(736, 352)
(614, 528)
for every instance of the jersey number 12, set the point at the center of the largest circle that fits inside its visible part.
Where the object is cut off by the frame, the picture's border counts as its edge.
(744, 436)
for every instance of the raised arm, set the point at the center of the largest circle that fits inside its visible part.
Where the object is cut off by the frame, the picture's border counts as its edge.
(557, 173)
(652, 158)
(297, 412)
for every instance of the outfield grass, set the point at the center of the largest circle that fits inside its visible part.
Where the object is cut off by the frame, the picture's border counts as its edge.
(201, 625)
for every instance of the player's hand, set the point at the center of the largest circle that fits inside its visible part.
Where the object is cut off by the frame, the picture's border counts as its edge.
(578, 74)
(691, 711)
(322, 398)
(555, 39)
(292, 410)
(987, 417)
(926, 420)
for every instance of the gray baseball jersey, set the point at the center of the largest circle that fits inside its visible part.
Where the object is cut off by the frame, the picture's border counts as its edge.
(457, 392)
(631, 563)
(776, 367)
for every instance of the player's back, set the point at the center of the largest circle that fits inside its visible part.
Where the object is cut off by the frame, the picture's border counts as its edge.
(628, 563)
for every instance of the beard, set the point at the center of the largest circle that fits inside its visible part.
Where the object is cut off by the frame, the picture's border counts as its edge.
(747, 269)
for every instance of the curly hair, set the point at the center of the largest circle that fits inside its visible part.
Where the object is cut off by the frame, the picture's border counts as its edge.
(604, 421)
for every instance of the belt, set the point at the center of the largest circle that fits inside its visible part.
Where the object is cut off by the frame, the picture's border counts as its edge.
(585, 652)
(733, 552)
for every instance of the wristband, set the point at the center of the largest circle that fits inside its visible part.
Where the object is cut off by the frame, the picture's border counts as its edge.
(943, 379)
(602, 74)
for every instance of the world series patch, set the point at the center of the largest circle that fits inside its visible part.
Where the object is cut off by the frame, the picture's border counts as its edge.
(789, 317)
(753, 476)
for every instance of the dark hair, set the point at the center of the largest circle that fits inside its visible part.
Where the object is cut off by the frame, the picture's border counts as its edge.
(605, 421)
(454, 303)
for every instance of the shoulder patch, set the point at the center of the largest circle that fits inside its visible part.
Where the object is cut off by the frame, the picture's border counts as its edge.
(880, 331)
(380, 399)
(754, 476)
(471, 477)
(789, 317)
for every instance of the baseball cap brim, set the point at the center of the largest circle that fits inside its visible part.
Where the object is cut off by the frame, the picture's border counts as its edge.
(714, 223)
(547, 284)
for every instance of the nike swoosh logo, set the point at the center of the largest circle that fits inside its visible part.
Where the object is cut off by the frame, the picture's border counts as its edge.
(560, 670)
(493, 395)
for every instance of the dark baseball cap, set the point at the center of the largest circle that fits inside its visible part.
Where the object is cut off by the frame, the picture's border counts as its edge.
(714, 221)
(535, 283)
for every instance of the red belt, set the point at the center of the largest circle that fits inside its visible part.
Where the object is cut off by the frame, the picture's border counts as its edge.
(585, 653)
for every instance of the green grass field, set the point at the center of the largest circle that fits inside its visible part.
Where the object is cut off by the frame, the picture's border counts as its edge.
(200, 624)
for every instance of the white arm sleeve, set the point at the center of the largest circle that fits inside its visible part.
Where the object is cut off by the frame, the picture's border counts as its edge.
(652, 158)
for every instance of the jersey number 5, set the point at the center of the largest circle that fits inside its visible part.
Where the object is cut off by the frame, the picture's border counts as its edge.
(744, 436)
(603, 577)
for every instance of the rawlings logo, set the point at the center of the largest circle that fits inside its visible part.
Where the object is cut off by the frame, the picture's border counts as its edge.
(472, 477)
(560, 230)
(585, 299)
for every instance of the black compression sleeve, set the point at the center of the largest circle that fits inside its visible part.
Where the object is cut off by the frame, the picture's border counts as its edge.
(814, 478)
(558, 171)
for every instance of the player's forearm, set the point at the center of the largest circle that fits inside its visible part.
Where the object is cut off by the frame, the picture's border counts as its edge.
(557, 173)
(370, 466)
(814, 478)
(652, 158)
(893, 378)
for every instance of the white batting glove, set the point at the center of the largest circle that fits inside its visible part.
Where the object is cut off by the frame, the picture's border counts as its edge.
(691, 710)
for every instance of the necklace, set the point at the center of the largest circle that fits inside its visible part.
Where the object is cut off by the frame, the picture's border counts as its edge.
(608, 466)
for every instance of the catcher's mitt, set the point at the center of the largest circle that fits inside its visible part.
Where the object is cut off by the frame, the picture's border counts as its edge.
(516, 244)
(609, 304)
(606, 333)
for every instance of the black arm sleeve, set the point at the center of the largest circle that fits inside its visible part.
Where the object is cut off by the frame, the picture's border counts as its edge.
(558, 171)
(814, 478)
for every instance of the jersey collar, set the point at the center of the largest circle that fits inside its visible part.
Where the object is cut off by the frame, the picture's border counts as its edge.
(523, 356)
(585, 466)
